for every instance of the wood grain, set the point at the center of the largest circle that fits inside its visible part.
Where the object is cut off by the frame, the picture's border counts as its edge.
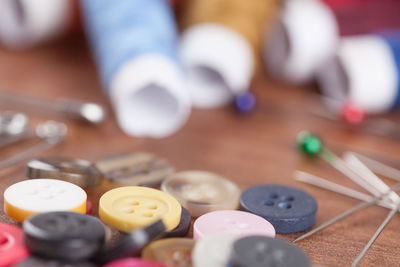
(253, 149)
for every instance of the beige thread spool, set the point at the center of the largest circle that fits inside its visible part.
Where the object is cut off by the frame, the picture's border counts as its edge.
(221, 46)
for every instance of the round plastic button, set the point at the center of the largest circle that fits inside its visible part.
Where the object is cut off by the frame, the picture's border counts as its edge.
(12, 249)
(201, 192)
(183, 226)
(76, 171)
(64, 235)
(131, 244)
(174, 252)
(261, 251)
(134, 262)
(130, 207)
(290, 210)
(213, 250)
(134, 169)
(89, 206)
(233, 222)
(43, 195)
(42, 262)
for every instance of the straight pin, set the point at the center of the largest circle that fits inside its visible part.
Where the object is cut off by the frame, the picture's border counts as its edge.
(51, 134)
(377, 233)
(311, 145)
(347, 213)
(336, 188)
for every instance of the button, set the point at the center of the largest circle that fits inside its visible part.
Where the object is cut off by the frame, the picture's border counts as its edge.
(233, 222)
(131, 244)
(76, 171)
(261, 251)
(130, 207)
(34, 261)
(290, 210)
(174, 252)
(183, 226)
(134, 262)
(201, 192)
(89, 206)
(12, 248)
(134, 169)
(65, 236)
(216, 247)
(42, 195)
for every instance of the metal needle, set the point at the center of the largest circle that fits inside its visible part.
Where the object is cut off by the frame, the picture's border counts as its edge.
(51, 134)
(377, 233)
(347, 213)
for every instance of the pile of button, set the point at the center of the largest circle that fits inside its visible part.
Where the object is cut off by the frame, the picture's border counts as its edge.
(51, 206)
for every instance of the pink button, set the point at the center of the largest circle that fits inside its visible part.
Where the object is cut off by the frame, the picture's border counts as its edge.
(233, 222)
(134, 262)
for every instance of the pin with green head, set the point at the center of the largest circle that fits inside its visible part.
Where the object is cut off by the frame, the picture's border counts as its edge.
(309, 144)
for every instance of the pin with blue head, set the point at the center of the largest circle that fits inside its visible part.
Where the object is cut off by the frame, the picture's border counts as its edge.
(245, 102)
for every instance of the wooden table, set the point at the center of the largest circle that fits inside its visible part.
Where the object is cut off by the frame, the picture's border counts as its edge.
(253, 149)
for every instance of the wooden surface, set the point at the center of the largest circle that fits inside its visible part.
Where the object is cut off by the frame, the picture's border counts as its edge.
(253, 149)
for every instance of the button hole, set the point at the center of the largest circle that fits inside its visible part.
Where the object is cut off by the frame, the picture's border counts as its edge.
(287, 198)
(148, 214)
(284, 205)
(268, 202)
(152, 207)
(272, 195)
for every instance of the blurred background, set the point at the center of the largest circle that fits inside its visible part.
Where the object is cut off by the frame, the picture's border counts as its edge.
(158, 59)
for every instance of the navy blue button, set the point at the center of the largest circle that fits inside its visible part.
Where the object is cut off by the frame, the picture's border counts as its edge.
(183, 226)
(245, 102)
(261, 251)
(288, 209)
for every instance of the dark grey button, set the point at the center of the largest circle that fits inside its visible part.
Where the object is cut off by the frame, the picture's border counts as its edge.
(288, 209)
(131, 244)
(33, 261)
(183, 226)
(262, 251)
(138, 168)
(65, 236)
(76, 171)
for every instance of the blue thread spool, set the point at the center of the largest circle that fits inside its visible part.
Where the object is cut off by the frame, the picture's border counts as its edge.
(135, 47)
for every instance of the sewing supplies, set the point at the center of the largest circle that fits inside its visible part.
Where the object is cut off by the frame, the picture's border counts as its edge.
(51, 133)
(288, 209)
(88, 112)
(76, 171)
(221, 46)
(129, 207)
(65, 236)
(34, 196)
(138, 168)
(201, 192)
(139, 37)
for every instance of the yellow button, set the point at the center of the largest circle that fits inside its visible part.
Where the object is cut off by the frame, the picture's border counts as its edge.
(201, 192)
(174, 252)
(130, 207)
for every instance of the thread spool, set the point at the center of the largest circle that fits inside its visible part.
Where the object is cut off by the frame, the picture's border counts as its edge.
(26, 23)
(308, 31)
(135, 47)
(221, 45)
(365, 70)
